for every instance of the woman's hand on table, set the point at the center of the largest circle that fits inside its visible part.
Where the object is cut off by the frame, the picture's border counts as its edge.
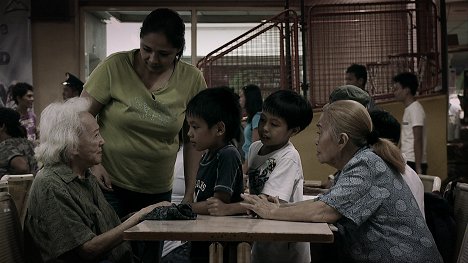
(136, 217)
(260, 205)
(102, 177)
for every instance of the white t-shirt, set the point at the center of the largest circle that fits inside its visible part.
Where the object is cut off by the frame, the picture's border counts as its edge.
(413, 116)
(277, 174)
(416, 186)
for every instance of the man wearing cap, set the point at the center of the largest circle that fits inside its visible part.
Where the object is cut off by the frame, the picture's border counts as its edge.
(72, 87)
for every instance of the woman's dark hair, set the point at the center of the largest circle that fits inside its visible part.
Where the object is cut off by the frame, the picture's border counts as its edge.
(10, 119)
(253, 100)
(169, 23)
(19, 90)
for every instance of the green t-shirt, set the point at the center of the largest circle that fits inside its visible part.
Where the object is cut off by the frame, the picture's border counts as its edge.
(141, 128)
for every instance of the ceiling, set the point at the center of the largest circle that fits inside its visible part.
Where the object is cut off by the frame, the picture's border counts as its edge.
(202, 16)
(457, 17)
(457, 20)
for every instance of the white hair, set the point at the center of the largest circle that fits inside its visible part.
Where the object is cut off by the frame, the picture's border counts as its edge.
(60, 127)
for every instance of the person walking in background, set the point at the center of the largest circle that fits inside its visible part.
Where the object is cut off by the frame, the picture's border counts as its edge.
(275, 168)
(23, 96)
(251, 102)
(357, 75)
(72, 86)
(413, 127)
(16, 152)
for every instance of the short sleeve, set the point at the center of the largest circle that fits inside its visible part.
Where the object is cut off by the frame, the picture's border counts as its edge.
(99, 82)
(255, 121)
(417, 116)
(228, 170)
(355, 195)
(8, 152)
(55, 223)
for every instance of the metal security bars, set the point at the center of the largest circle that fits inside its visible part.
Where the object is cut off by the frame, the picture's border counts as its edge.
(267, 55)
(386, 37)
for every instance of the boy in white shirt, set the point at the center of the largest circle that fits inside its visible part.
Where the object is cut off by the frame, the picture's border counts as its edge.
(413, 126)
(275, 167)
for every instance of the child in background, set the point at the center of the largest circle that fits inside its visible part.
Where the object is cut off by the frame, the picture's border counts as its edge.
(214, 118)
(251, 102)
(275, 167)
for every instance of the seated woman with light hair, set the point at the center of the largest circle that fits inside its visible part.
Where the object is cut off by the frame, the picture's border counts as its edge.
(68, 219)
(376, 214)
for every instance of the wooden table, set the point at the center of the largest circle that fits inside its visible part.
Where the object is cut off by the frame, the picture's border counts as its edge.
(230, 228)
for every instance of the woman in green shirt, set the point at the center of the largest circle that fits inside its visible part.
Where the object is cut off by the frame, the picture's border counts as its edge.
(139, 98)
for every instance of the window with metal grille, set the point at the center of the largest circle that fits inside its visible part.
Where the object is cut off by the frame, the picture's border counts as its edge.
(267, 55)
(386, 37)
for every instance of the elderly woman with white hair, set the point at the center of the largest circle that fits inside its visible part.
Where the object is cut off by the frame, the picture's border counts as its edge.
(68, 219)
(377, 216)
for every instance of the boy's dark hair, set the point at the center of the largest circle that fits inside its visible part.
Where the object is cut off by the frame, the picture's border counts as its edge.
(386, 125)
(290, 106)
(19, 90)
(218, 104)
(359, 71)
(253, 100)
(11, 120)
(407, 80)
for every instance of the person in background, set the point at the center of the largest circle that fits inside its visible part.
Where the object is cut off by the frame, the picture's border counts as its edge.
(357, 75)
(413, 129)
(275, 169)
(214, 118)
(72, 86)
(68, 219)
(23, 95)
(371, 205)
(16, 152)
(251, 102)
(387, 127)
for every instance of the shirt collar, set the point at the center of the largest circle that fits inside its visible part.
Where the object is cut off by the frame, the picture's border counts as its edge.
(65, 172)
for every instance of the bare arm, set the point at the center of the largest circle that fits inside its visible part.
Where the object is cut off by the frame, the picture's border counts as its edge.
(101, 174)
(95, 107)
(110, 239)
(19, 165)
(202, 207)
(191, 160)
(418, 147)
(305, 211)
(216, 207)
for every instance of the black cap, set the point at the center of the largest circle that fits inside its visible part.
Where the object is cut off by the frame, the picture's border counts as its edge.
(73, 81)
